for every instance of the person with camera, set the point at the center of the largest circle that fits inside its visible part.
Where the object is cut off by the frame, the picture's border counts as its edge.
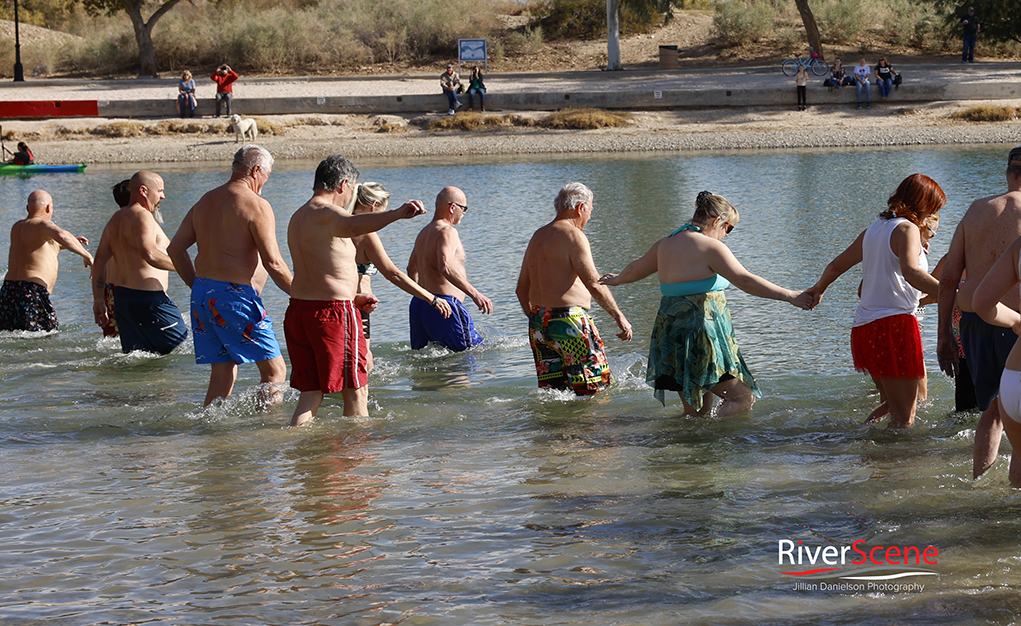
(224, 78)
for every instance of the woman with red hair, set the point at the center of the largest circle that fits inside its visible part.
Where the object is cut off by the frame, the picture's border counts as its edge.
(885, 337)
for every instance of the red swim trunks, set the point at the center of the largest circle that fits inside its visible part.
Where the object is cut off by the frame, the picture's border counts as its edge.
(890, 347)
(325, 342)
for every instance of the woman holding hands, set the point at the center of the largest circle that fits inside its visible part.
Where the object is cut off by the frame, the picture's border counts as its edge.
(693, 350)
(885, 338)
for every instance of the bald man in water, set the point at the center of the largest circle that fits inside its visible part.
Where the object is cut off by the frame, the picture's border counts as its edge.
(437, 264)
(32, 267)
(146, 317)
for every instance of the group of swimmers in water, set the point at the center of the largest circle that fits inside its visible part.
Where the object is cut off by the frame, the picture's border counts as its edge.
(693, 349)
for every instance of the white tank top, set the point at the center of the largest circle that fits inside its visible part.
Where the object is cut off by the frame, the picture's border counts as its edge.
(884, 292)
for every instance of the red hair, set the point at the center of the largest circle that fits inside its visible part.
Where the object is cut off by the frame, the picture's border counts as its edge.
(917, 197)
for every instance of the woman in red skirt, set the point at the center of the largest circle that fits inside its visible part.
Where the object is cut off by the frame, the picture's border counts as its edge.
(885, 338)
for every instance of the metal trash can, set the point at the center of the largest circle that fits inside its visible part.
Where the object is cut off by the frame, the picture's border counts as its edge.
(668, 57)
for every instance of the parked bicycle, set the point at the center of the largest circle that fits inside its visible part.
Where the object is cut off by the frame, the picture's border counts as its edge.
(814, 63)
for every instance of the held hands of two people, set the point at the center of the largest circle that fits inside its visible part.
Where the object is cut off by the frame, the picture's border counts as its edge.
(609, 280)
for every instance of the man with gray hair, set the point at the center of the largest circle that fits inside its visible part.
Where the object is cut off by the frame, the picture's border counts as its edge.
(235, 230)
(146, 317)
(557, 283)
(323, 327)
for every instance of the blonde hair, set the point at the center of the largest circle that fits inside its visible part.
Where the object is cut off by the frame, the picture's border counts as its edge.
(186, 75)
(709, 206)
(369, 194)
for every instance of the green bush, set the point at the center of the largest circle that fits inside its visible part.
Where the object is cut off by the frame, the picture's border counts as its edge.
(585, 19)
(741, 21)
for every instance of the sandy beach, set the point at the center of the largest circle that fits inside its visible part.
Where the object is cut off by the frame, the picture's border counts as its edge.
(312, 136)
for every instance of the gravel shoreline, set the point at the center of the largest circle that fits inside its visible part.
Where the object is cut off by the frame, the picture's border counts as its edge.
(356, 137)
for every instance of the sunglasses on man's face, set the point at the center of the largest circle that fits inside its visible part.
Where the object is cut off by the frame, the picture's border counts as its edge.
(463, 207)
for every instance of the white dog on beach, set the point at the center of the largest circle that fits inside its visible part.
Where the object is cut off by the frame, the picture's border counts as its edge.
(244, 129)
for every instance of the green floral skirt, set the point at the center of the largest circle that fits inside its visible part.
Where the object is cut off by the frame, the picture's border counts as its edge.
(693, 348)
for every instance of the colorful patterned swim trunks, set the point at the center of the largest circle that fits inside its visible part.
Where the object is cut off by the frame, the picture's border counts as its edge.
(567, 349)
(25, 305)
(229, 323)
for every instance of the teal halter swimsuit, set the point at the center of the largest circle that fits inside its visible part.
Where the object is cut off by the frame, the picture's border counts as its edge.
(713, 283)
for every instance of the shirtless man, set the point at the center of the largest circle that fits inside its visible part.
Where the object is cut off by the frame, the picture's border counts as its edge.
(557, 283)
(122, 196)
(32, 267)
(322, 327)
(989, 226)
(146, 317)
(235, 230)
(437, 264)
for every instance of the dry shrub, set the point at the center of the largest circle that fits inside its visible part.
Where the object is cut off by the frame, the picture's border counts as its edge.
(583, 119)
(986, 113)
(266, 127)
(462, 121)
(314, 120)
(118, 129)
(519, 120)
(388, 127)
(179, 127)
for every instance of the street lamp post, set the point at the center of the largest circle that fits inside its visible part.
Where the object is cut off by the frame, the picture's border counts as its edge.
(19, 71)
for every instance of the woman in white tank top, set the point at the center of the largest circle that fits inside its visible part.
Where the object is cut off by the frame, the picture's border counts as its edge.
(885, 337)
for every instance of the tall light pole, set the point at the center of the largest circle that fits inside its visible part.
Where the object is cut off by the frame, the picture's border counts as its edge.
(19, 71)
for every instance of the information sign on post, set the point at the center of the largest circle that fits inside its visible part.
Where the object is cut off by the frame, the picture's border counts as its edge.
(472, 51)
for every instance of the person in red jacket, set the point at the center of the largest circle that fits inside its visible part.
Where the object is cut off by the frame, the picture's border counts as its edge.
(224, 78)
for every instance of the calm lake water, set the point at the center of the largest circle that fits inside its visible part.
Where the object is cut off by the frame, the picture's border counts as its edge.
(469, 497)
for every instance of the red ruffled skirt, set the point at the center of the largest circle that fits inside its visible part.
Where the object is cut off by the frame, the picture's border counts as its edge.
(890, 347)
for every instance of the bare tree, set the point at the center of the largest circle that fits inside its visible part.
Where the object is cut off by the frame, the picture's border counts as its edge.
(811, 29)
(143, 28)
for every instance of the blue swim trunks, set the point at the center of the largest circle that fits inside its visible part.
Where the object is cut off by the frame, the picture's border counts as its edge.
(148, 320)
(456, 332)
(229, 323)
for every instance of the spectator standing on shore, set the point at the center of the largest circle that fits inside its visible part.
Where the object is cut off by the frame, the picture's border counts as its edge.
(862, 74)
(224, 78)
(884, 77)
(801, 80)
(970, 23)
(450, 82)
(476, 86)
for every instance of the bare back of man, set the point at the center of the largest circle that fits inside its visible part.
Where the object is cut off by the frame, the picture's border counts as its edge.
(438, 251)
(552, 260)
(132, 234)
(987, 229)
(226, 222)
(32, 267)
(33, 254)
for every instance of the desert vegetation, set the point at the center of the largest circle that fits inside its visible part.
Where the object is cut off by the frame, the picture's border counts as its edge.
(300, 37)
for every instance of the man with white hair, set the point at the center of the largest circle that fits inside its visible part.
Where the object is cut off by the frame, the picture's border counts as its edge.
(557, 283)
(235, 230)
(146, 317)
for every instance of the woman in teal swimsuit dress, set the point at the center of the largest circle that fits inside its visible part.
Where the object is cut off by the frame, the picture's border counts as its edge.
(693, 350)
